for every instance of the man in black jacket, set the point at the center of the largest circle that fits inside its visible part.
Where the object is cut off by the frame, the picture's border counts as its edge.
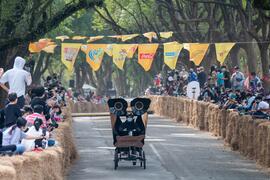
(202, 76)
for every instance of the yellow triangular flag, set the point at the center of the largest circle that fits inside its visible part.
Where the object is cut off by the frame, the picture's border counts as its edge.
(197, 52)
(171, 53)
(95, 38)
(116, 36)
(50, 48)
(121, 52)
(222, 50)
(129, 36)
(69, 52)
(146, 54)
(131, 50)
(150, 35)
(94, 54)
(79, 37)
(109, 49)
(166, 34)
(62, 38)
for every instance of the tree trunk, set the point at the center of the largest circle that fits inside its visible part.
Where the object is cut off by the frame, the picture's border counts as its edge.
(234, 57)
(251, 57)
(265, 64)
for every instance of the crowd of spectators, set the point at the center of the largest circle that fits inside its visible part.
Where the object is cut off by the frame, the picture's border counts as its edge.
(229, 89)
(31, 113)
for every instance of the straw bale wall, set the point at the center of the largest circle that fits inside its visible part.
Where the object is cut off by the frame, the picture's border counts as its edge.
(50, 164)
(251, 137)
(89, 107)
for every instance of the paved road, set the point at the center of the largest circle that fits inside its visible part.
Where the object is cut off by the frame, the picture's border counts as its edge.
(173, 151)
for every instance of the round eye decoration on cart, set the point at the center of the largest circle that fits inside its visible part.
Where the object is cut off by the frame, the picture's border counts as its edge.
(129, 128)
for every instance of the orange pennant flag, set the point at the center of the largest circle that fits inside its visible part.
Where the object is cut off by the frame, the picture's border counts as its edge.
(146, 54)
(35, 47)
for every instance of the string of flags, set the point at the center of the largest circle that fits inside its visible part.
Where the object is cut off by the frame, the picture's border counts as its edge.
(120, 52)
(146, 52)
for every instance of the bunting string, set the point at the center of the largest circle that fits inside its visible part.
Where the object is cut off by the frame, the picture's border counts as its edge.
(120, 52)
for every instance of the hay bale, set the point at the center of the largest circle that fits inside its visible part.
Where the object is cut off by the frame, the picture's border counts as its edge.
(50, 164)
(251, 137)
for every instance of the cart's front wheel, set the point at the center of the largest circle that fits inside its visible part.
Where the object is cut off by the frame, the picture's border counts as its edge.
(143, 162)
(116, 160)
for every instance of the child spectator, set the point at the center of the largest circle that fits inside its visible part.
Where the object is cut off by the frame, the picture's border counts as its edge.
(35, 130)
(27, 110)
(14, 134)
(56, 113)
(12, 111)
(38, 113)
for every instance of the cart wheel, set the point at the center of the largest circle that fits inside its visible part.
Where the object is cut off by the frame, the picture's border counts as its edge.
(134, 163)
(141, 163)
(144, 160)
(116, 160)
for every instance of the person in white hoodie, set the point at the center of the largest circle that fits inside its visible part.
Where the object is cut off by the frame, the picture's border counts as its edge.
(17, 79)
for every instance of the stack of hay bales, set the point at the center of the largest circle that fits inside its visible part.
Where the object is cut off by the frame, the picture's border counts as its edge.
(251, 137)
(88, 107)
(50, 164)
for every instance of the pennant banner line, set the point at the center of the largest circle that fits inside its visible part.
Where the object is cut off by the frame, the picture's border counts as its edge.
(120, 52)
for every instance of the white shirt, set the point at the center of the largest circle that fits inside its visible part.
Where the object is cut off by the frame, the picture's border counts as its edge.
(17, 78)
(14, 138)
(263, 105)
(30, 144)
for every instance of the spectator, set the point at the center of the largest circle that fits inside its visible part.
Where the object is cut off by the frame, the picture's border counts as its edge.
(226, 77)
(27, 110)
(237, 79)
(12, 111)
(183, 74)
(38, 113)
(202, 76)
(220, 79)
(35, 131)
(260, 107)
(38, 98)
(212, 80)
(254, 82)
(14, 135)
(56, 113)
(192, 76)
(16, 79)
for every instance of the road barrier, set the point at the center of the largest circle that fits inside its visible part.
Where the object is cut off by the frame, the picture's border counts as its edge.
(89, 107)
(50, 164)
(251, 137)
